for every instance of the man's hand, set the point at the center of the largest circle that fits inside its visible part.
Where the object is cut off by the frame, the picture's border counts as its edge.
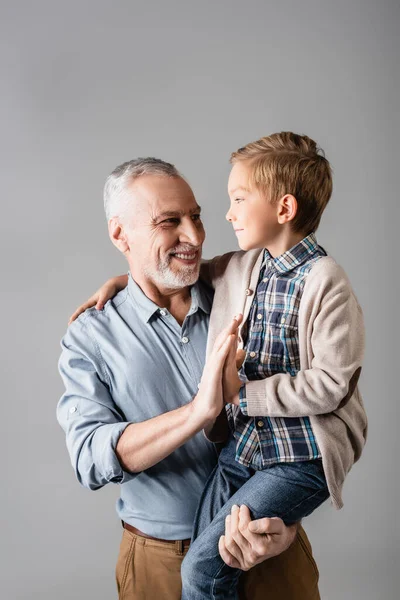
(247, 543)
(231, 382)
(209, 401)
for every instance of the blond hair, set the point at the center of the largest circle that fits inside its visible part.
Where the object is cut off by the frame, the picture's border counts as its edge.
(288, 163)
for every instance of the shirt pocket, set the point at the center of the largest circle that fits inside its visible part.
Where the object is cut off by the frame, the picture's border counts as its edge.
(283, 346)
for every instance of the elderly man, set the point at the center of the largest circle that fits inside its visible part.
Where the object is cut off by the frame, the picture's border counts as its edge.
(134, 409)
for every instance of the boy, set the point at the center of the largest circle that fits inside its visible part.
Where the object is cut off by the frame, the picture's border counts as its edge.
(295, 415)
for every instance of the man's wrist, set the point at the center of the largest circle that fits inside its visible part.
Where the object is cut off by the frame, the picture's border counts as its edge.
(293, 531)
(200, 418)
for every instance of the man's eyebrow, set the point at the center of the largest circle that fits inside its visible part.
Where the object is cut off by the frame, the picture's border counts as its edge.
(167, 214)
(240, 187)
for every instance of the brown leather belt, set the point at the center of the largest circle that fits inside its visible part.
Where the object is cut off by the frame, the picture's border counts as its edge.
(149, 537)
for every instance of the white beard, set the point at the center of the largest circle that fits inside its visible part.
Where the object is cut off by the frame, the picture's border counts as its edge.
(164, 276)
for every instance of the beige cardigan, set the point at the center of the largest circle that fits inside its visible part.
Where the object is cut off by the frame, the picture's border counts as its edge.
(331, 343)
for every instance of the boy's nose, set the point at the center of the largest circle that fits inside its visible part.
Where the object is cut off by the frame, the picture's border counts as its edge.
(229, 216)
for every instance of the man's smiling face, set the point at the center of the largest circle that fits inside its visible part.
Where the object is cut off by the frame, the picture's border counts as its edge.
(164, 231)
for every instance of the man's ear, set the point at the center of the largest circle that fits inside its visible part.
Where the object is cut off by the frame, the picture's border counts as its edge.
(287, 208)
(117, 235)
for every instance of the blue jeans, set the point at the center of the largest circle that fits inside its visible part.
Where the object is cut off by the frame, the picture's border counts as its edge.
(290, 491)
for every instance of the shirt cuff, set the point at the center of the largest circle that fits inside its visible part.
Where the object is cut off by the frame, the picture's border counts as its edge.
(107, 437)
(256, 401)
(243, 400)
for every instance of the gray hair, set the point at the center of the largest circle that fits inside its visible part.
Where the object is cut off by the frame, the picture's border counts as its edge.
(115, 197)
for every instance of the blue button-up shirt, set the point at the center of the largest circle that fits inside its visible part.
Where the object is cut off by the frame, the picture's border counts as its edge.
(272, 346)
(126, 364)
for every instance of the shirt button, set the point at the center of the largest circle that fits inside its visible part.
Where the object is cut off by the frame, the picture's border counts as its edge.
(198, 386)
(283, 320)
(184, 340)
(260, 423)
(252, 354)
(72, 409)
(259, 316)
(270, 263)
(163, 312)
(265, 280)
(248, 292)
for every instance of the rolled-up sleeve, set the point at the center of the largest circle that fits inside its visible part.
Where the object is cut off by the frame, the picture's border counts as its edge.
(87, 413)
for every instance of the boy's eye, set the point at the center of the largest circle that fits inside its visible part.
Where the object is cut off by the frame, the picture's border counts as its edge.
(238, 200)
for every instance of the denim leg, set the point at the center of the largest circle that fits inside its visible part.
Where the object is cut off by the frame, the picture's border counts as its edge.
(224, 481)
(287, 490)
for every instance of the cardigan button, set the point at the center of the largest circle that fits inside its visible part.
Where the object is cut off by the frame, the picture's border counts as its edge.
(248, 292)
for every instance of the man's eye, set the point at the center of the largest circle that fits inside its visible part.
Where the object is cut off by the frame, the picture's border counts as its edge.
(196, 217)
(172, 220)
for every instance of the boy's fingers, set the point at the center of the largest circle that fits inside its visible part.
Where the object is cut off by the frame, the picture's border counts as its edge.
(240, 356)
(93, 301)
(223, 336)
(232, 351)
(231, 328)
(76, 314)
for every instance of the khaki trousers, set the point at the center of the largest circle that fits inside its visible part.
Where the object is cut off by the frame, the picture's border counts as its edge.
(150, 570)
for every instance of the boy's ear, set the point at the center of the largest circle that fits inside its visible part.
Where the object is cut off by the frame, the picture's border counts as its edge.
(117, 235)
(287, 208)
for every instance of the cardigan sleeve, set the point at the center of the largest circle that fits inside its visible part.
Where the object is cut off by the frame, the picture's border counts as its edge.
(337, 344)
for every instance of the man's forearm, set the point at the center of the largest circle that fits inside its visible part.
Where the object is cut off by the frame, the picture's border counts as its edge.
(145, 444)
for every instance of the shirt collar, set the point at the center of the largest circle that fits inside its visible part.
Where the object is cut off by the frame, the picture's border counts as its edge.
(292, 258)
(147, 308)
(200, 299)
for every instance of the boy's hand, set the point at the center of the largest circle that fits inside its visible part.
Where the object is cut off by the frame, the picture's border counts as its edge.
(231, 381)
(107, 291)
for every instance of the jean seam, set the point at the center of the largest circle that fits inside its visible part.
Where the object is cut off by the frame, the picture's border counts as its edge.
(300, 503)
(213, 597)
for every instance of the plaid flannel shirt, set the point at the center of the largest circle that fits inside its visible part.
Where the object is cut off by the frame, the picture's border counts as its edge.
(270, 338)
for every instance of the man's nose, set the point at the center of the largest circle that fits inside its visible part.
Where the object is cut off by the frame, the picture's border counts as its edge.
(192, 233)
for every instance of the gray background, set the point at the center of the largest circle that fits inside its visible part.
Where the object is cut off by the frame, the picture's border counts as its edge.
(87, 85)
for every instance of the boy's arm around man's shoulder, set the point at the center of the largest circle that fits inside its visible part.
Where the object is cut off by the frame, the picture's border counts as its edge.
(333, 324)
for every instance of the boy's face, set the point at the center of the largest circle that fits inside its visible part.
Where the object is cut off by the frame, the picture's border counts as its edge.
(253, 217)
